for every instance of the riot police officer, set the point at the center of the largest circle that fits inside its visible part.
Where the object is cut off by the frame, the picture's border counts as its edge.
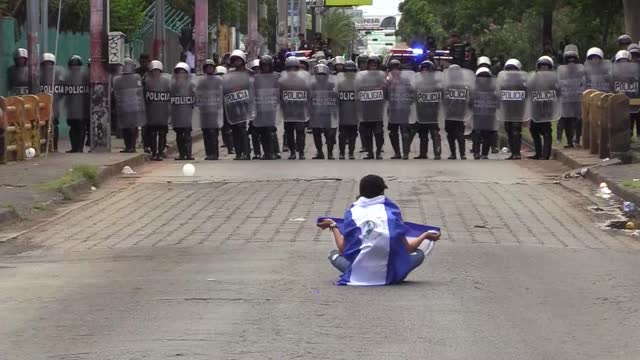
(76, 97)
(227, 138)
(457, 83)
(571, 81)
(543, 87)
(428, 86)
(130, 104)
(239, 102)
(338, 64)
(51, 77)
(157, 93)
(370, 101)
(485, 103)
(348, 121)
(182, 104)
(400, 103)
(265, 124)
(18, 73)
(363, 62)
(209, 102)
(324, 106)
(512, 107)
(294, 93)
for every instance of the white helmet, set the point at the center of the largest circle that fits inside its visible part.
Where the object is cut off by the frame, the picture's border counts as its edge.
(339, 60)
(454, 67)
(513, 62)
(254, 63)
(483, 70)
(322, 69)
(594, 51)
(48, 57)
(156, 65)
(238, 53)
(633, 48)
(221, 70)
(182, 66)
(21, 53)
(545, 60)
(622, 54)
(484, 60)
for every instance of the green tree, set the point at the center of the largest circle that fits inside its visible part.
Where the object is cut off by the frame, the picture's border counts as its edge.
(127, 16)
(338, 27)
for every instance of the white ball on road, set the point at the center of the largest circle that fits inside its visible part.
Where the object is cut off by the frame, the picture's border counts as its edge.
(188, 170)
(30, 153)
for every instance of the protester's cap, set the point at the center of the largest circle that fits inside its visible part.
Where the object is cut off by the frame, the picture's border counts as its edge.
(372, 186)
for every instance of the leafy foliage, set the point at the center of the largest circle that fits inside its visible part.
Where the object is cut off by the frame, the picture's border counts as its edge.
(127, 16)
(338, 26)
(513, 28)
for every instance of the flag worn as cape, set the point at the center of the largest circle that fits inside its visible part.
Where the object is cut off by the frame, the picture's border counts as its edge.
(373, 231)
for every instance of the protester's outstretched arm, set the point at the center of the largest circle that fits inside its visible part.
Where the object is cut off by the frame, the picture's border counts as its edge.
(413, 244)
(337, 236)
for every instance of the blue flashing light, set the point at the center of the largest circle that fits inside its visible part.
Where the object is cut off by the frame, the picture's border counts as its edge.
(417, 51)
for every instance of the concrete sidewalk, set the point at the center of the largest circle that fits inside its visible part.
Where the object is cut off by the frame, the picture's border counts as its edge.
(21, 183)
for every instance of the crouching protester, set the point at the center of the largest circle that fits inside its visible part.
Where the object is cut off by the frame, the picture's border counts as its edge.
(375, 246)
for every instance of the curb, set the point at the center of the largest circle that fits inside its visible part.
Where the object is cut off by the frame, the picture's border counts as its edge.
(105, 173)
(593, 175)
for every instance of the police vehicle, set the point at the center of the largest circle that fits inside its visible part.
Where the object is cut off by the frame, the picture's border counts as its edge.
(409, 58)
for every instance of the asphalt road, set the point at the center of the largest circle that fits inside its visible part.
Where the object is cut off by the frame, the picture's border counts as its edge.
(229, 265)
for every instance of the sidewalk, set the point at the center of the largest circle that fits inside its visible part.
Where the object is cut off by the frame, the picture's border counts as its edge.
(22, 184)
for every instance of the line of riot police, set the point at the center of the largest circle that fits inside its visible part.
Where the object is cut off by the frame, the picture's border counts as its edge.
(355, 99)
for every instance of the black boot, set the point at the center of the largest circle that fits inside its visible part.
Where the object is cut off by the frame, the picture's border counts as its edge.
(317, 141)
(126, 137)
(379, 144)
(153, 144)
(268, 148)
(424, 148)
(180, 144)
(162, 144)
(462, 145)
(255, 143)
(475, 145)
(56, 136)
(330, 145)
(342, 143)
(188, 143)
(275, 143)
(351, 142)
(451, 139)
(406, 144)
(132, 142)
(546, 147)
(395, 144)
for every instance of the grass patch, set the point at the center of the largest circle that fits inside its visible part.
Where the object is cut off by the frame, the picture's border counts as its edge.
(635, 185)
(40, 207)
(77, 174)
(8, 206)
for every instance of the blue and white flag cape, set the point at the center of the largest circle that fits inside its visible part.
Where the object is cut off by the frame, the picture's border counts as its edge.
(373, 232)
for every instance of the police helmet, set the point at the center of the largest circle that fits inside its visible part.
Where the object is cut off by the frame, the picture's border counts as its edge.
(303, 61)
(156, 65)
(594, 51)
(483, 71)
(291, 62)
(339, 60)
(363, 58)
(266, 60)
(633, 49)
(181, 66)
(208, 62)
(48, 57)
(454, 67)
(622, 55)
(427, 64)
(350, 66)
(513, 63)
(624, 39)
(374, 59)
(322, 69)
(395, 64)
(75, 60)
(544, 60)
(255, 63)
(21, 53)
(221, 70)
(129, 66)
(238, 54)
(484, 60)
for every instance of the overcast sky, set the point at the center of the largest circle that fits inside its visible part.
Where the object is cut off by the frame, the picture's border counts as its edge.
(381, 7)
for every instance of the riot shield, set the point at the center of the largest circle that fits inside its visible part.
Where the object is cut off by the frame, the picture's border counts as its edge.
(209, 102)
(571, 82)
(458, 85)
(598, 76)
(543, 98)
(129, 97)
(267, 91)
(239, 98)
(625, 78)
(157, 95)
(294, 96)
(324, 102)
(370, 95)
(485, 104)
(76, 93)
(512, 101)
(401, 107)
(18, 80)
(347, 98)
(51, 82)
(428, 88)
(182, 101)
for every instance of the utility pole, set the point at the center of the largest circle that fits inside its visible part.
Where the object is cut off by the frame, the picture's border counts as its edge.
(44, 27)
(317, 20)
(302, 17)
(33, 23)
(99, 87)
(202, 33)
(281, 30)
(292, 30)
(158, 35)
(252, 29)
